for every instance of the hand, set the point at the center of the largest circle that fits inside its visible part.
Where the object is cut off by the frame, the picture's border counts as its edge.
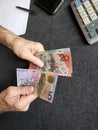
(16, 98)
(26, 49)
(23, 48)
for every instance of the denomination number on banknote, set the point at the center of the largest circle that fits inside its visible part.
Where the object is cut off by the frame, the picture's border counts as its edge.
(50, 95)
(64, 57)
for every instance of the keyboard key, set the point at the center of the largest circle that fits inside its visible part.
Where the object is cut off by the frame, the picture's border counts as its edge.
(86, 20)
(93, 28)
(83, 14)
(80, 8)
(93, 16)
(93, 1)
(77, 3)
(96, 6)
(87, 4)
(90, 10)
(83, 1)
(91, 32)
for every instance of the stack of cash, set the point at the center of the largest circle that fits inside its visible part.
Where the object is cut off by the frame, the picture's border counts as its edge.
(56, 63)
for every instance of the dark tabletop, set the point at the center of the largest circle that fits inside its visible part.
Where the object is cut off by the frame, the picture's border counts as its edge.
(75, 104)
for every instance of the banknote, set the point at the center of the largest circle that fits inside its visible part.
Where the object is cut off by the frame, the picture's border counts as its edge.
(58, 61)
(46, 87)
(44, 83)
(27, 77)
(59, 50)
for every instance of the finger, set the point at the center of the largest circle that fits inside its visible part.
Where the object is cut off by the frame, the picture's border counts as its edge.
(33, 59)
(24, 90)
(28, 99)
(25, 100)
(37, 61)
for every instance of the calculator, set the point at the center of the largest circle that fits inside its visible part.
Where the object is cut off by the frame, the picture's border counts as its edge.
(86, 13)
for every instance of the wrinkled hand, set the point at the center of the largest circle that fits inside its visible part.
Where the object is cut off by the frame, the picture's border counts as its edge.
(26, 49)
(16, 98)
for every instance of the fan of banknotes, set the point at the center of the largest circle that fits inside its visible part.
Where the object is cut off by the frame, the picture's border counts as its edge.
(56, 63)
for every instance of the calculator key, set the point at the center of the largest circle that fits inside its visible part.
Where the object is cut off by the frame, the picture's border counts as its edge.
(93, 28)
(83, 14)
(91, 32)
(77, 3)
(93, 1)
(90, 10)
(96, 6)
(83, 1)
(96, 24)
(87, 4)
(86, 20)
(93, 16)
(80, 8)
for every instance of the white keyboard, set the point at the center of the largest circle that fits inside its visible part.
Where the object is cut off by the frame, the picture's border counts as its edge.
(86, 13)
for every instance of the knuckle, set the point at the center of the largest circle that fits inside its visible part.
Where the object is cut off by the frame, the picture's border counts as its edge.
(24, 55)
(39, 44)
(9, 90)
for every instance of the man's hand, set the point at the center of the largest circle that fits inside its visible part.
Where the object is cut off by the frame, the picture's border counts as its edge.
(16, 98)
(23, 48)
(27, 49)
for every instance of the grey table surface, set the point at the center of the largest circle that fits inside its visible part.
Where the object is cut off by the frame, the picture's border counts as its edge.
(75, 104)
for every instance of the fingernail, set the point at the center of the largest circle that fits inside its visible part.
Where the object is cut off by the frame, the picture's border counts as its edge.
(41, 64)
